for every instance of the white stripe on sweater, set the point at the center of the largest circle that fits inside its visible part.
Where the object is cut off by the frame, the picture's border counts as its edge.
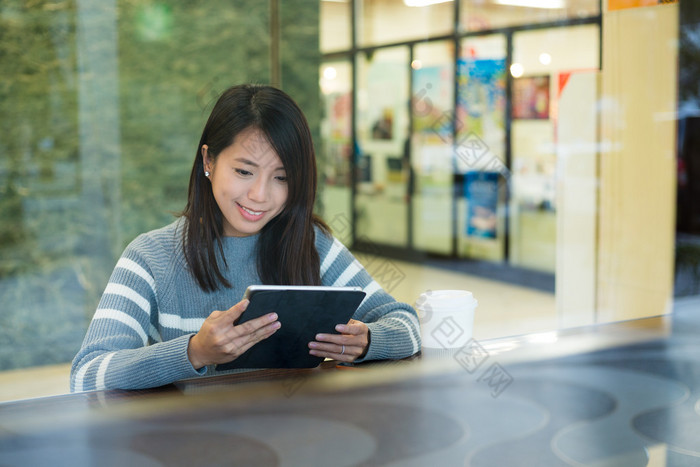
(80, 375)
(101, 371)
(120, 316)
(372, 288)
(131, 294)
(136, 268)
(411, 318)
(347, 275)
(177, 322)
(414, 342)
(333, 252)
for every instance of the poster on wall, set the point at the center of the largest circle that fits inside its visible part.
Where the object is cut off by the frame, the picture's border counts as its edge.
(433, 119)
(481, 97)
(341, 116)
(432, 99)
(337, 146)
(481, 191)
(384, 91)
(480, 113)
(531, 97)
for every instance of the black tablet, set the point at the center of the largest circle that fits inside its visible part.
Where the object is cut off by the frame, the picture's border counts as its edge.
(303, 312)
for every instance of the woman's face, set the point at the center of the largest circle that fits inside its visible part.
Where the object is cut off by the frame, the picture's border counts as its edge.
(249, 183)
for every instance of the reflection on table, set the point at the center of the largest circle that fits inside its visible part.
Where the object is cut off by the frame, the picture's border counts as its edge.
(620, 394)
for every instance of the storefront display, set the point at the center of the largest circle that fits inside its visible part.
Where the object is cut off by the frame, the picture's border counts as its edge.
(437, 118)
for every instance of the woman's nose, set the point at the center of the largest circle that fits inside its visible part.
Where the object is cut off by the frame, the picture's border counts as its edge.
(258, 190)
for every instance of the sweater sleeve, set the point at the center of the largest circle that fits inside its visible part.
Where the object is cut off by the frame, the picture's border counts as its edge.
(122, 348)
(394, 328)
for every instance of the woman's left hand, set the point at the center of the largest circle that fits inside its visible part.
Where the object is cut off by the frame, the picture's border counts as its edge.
(347, 346)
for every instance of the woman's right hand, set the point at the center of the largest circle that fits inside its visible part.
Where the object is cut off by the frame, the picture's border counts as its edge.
(219, 341)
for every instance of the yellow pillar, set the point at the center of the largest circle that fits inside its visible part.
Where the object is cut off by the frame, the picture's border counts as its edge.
(637, 162)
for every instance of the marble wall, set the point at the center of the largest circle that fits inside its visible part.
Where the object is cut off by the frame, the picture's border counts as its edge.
(101, 106)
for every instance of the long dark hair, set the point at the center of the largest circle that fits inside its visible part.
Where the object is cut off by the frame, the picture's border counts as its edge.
(286, 247)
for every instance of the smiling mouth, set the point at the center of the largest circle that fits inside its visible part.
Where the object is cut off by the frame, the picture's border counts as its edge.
(251, 212)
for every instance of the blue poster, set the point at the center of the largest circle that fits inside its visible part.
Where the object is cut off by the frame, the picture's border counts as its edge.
(481, 191)
(481, 95)
(481, 85)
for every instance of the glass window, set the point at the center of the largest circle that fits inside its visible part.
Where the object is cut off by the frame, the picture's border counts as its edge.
(101, 108)
(480, 15)
(382, 134)
(431, 146)
(543, 63)
(335, 158)
(480, 149)
(388, 21)
(335, 25)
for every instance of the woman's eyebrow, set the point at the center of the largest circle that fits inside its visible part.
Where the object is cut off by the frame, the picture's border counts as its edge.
(243, 160)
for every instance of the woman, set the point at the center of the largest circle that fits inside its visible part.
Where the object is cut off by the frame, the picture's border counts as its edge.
(248, 220)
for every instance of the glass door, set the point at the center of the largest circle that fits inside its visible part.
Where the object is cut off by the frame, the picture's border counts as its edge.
(336, 148)
(480, 156)
(381, 200)
(431, 146)
(543, 63)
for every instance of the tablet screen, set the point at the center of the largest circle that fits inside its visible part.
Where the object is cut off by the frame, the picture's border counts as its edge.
(303, 311)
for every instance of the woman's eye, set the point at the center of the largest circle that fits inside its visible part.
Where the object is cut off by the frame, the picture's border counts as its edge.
(243, 172)
(281, 178)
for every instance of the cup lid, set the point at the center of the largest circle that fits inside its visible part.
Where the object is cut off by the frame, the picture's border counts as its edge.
(439, 299)
(447, 294)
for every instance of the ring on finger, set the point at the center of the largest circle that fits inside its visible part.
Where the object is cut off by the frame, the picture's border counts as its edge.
(341, 353)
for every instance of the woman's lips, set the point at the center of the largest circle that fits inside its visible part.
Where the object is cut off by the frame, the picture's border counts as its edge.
(249, 214)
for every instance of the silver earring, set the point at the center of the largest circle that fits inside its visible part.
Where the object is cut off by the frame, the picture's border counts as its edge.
(206, 173)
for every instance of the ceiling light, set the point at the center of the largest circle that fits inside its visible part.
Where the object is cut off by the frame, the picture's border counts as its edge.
(420, 3)
(533, 3)
(517, 70)
(330, 73)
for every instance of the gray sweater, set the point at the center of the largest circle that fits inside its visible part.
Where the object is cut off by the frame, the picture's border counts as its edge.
(153, 305)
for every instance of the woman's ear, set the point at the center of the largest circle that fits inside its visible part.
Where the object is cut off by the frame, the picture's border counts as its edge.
(206, 162)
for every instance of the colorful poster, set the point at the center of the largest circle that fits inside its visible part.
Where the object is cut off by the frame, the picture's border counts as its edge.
(432, 98)
(340, 116)
(337, 144)
(481, 191)
(531, 97)
(481, 98)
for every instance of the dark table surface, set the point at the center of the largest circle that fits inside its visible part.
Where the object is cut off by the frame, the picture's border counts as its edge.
(618, 394)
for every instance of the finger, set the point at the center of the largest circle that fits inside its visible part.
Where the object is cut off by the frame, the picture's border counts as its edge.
(242, 343)
(337, 349)
(339, 339)
(343, 339)
(336, 341)
(350, 354)
(236, 310)
(353, 327)
(253, 325)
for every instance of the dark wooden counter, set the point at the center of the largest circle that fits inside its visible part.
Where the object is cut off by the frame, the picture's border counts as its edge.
(625, 394)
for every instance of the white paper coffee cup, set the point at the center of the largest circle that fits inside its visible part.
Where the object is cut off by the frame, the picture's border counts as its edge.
(446, 319)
